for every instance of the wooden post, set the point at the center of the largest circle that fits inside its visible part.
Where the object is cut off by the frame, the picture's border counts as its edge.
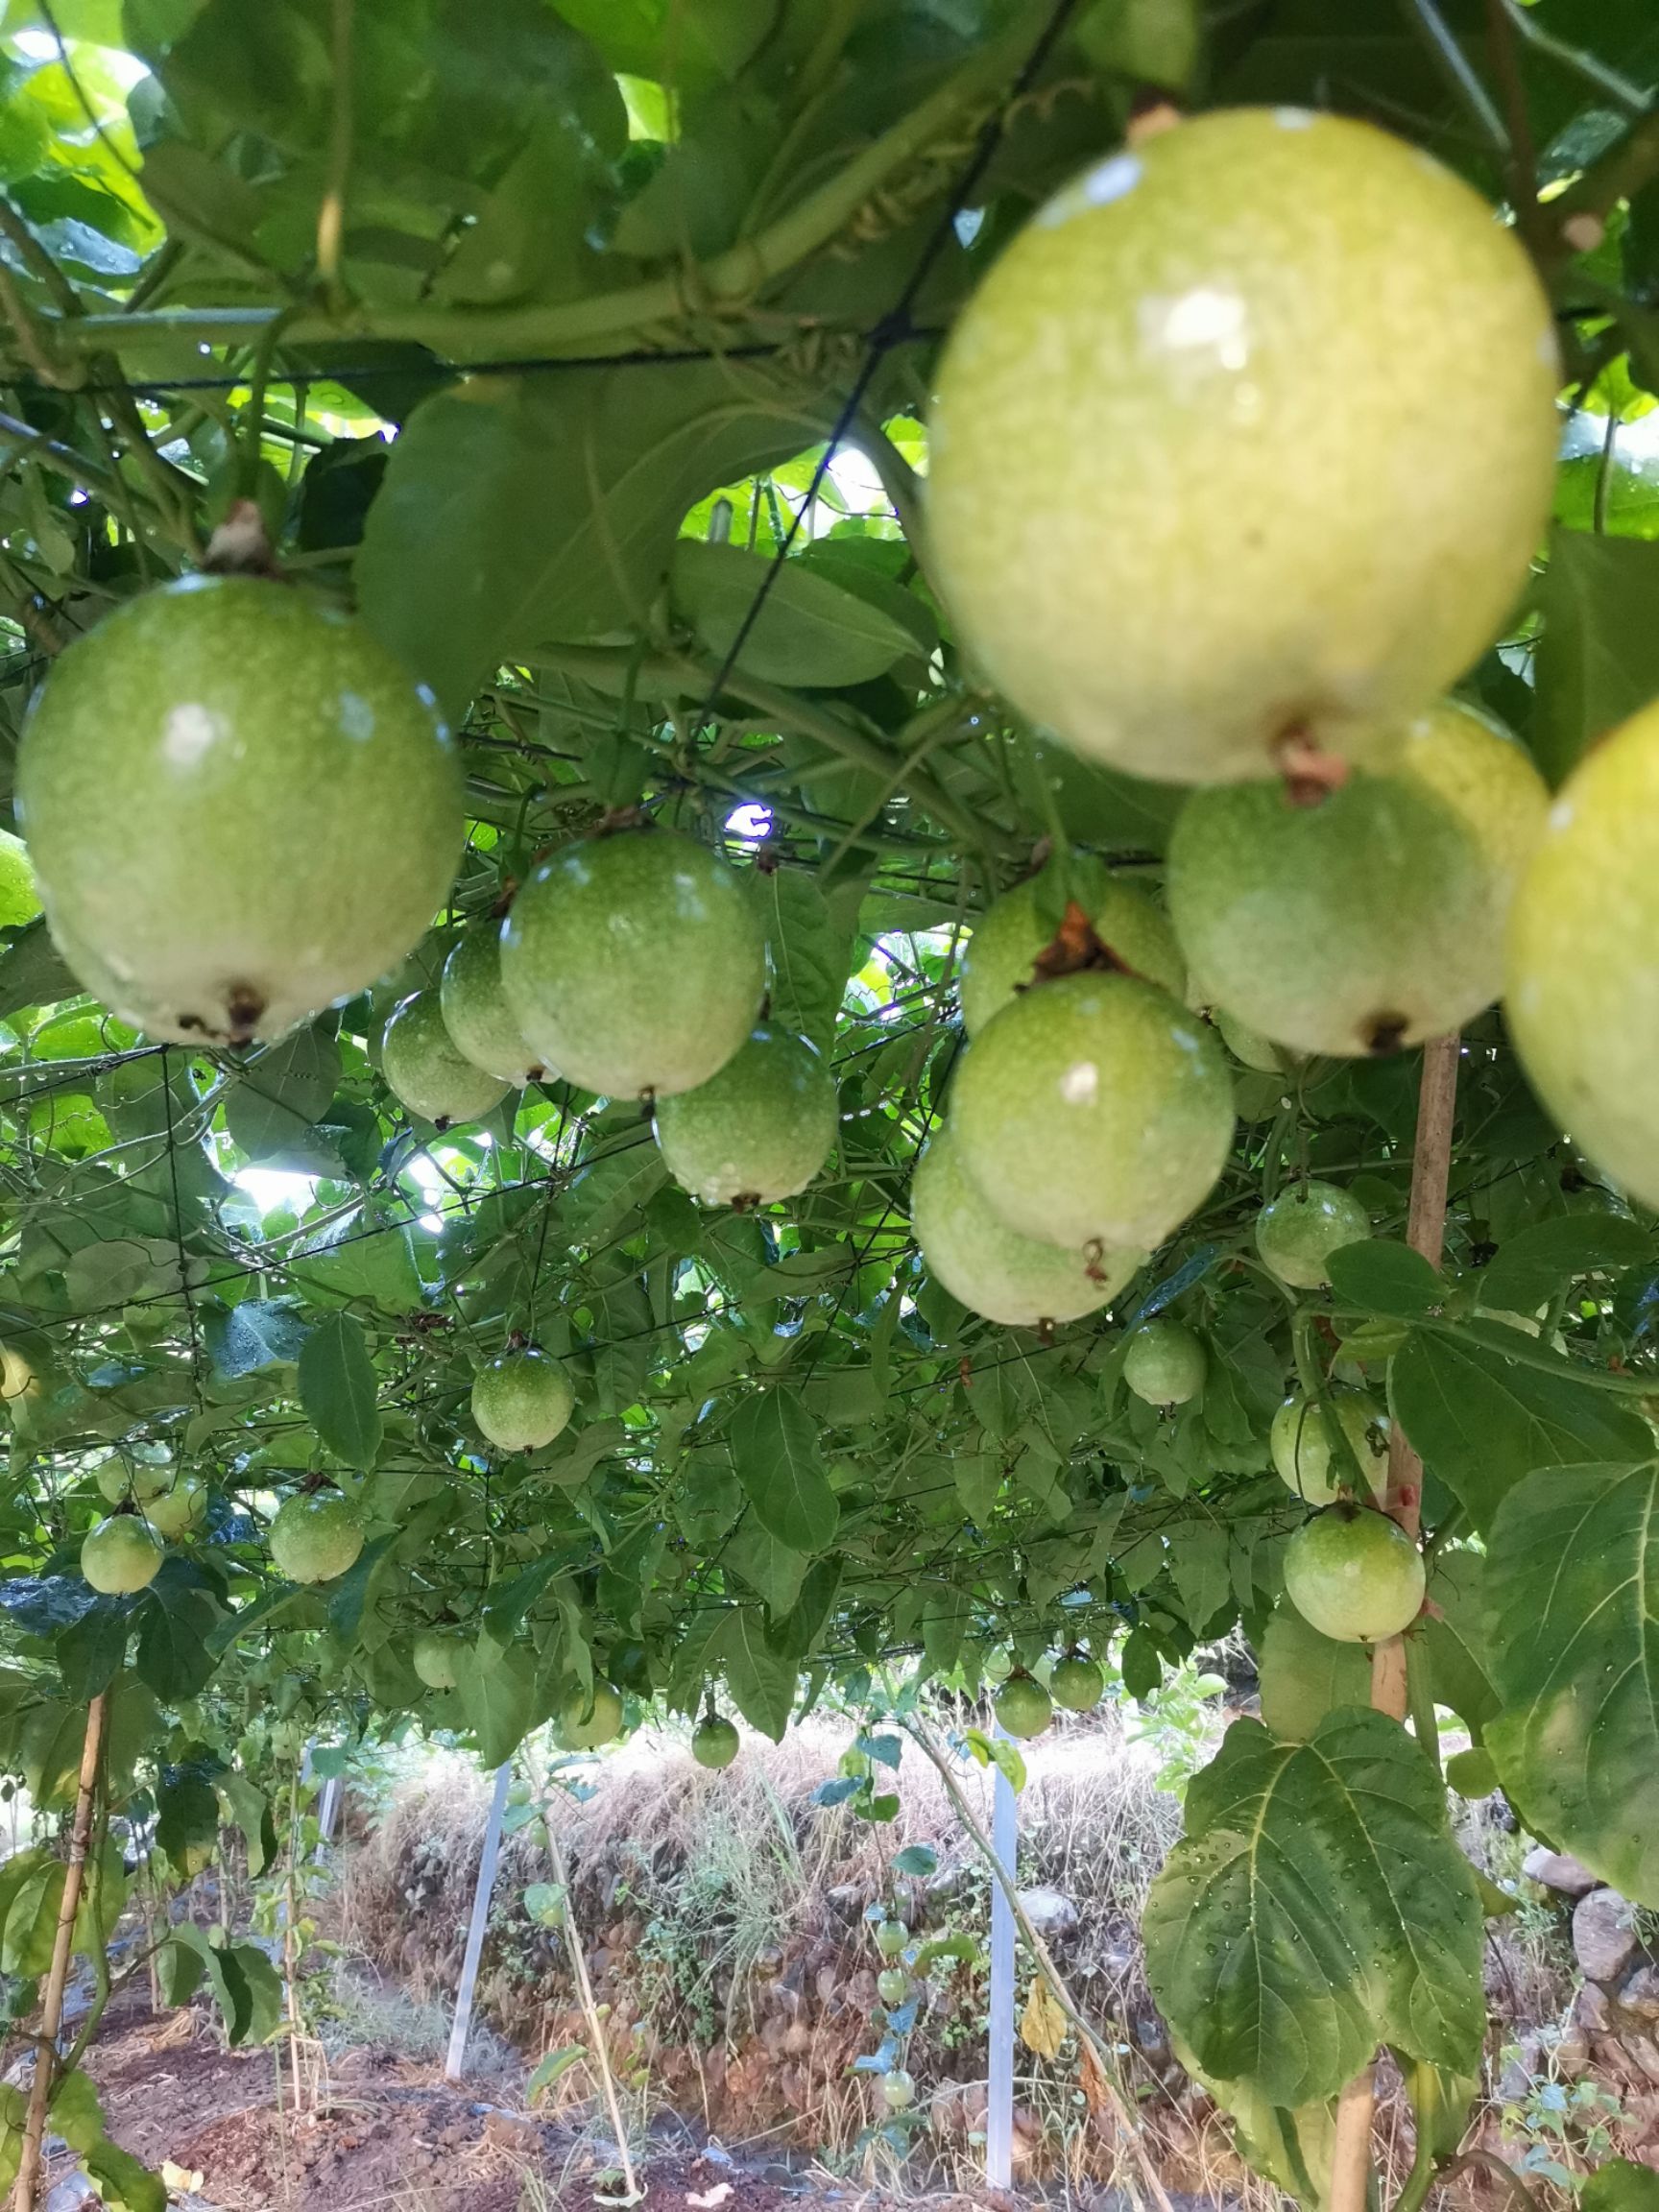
(1000, 2056)
(469, 1983)
(1425, 1233)
(27, 2181)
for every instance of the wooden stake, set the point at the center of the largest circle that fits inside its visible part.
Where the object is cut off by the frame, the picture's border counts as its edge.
(589, 2011)
(1425, 1233)
(27, 2181)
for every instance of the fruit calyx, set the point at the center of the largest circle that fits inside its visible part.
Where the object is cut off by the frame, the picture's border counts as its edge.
(1311, 774)
(1076, 949)
(241, 546)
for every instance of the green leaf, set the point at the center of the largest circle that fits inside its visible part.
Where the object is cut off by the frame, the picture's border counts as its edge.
(33, 973)
(519, 511)
(1317, 1906)
(260, 1333)
(1538, 1260)
(1572, 1595)
(553, 2067)
(124, 2182)
(1380, 1275)
(337, 1389)
(808, 631)
(1453, 1637)
(762, 1684)
(1480, 1422)
(248, 1808)
(604, 1194)
(1598, 658)
(282, 1091)
(188, 1820)
(1619, 2185)
(771, 1569)
(774, 1452)
(1305, 1675)
(499, 1700)
(173, 1655)
(809, 955)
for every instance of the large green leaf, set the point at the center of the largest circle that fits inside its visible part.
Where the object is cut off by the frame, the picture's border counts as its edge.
(1316, 1907)
(520, 512)
(760, 1679)
(282, 1092)
(1453, 1637)
(774, 1451)
(337, 1388)
(499, 1699)
(259, 1332)
(1571, 1600)
(1533, 1264)
(1481, 1421)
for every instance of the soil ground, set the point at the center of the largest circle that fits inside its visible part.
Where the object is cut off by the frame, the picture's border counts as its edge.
(391, 2133)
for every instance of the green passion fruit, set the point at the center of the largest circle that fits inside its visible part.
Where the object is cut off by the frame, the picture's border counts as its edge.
(757, 1132)
(1368, 917)
(432, 1077)
(239, 809)
(179, 1510)
(635, 963)
(1023, 1708)
(1076, 1684)
(480, 1022)
(316, 1536)
(522, 1400)
(1302, 1451)
(1355, 1575)
(1112, 519)
(1003, 952)
(585, 1723)
(1297, 1232)
(121, 1554)
(993, 1269)
(1095, 1111)
(434, 1656)
(715, 1742)
(1164, 1362)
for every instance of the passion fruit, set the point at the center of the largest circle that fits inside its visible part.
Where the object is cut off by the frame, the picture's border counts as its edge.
(585, 1723)
(434, 1656)
(1299, 1230)
(522, 1400)
(1302, 1451)
(476, 1014)
(121, 1554)
(1003, 952)
(316, 1536)
(1355, 1575)
(1164, 1362)
(428, 1072)
(1023, 1708)
(757, 1132)
(1076, 1684)
(715, 1742)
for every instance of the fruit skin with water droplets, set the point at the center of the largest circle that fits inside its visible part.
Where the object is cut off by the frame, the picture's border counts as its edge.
(1297, 1232)
(757, 1132)
(1353, 1575)
(1094, 1110)
(993, 1270)
(239, 809)
(1113, 522)
(433, 1658)
(1583, 985)
(634, 964)
(1023, 1708)
(429, 1074)
(522, 1400)
(715, 1742)
(1002, 951)
(1302, 1449)
(585, 1723)
(121, 1554)
(1076, 1683)
(316, 1536)
(480, 1022)
(1369, 920)
(1164, 1363)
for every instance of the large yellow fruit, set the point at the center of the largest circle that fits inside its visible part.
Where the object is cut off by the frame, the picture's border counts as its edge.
(1202, 474)
(239, 809)
(1583, 981)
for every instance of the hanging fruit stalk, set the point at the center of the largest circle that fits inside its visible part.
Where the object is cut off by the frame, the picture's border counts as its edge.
(27, 2181)
(1425, 1233)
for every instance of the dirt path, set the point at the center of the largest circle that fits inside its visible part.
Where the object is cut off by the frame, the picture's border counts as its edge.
(393, 2133)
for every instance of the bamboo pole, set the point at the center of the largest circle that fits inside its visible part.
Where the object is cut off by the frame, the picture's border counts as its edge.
(589, 2009)
(1425, 1233)
(28, 2182)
